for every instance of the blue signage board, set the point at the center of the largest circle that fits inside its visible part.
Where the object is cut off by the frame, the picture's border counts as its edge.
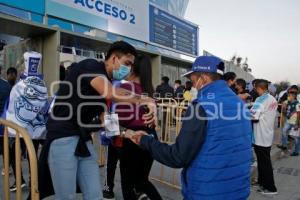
(123, 17)
(36, 6)
(172, 32)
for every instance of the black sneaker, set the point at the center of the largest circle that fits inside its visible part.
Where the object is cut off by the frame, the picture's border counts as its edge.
(294, 154)
(108, 195)
(13, 188)
(283, 148)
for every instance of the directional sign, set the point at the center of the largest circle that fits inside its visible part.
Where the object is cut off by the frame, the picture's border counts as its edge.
(172, 32)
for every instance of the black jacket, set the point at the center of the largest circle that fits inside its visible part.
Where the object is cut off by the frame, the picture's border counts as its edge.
(165, 91)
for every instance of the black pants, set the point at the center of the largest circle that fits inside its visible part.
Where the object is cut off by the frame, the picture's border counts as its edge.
(12, 153)
(265, 169)
(135, 166)
(112, 161)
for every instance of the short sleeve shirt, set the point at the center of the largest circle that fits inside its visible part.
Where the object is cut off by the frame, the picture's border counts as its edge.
(264, 110)
(291, 111)
(77, 102)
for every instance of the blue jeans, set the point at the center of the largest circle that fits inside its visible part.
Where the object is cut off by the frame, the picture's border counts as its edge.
(297, 145)
(285, 132)
(67, 170)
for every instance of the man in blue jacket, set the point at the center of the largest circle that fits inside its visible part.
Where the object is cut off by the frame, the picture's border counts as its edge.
(214, 144)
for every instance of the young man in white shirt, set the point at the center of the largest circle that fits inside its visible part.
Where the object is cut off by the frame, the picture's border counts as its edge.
(264, 114)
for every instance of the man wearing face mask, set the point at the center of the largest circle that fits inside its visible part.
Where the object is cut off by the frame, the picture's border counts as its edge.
(214, 143)
(68, 150)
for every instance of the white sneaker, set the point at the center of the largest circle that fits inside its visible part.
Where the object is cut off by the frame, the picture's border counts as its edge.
(13, 188)
(266, 192)
(143, 197)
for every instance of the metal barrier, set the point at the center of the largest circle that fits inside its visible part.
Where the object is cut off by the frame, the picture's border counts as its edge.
(282, 117)
(171, 126)
(169, 101)
(165, 115)
(20, 133)
(172, 123)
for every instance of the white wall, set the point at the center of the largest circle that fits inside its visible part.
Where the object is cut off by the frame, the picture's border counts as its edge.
(230, 67)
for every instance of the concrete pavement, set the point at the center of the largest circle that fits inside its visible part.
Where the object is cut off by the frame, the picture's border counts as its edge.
(286, 171)
(287, 180)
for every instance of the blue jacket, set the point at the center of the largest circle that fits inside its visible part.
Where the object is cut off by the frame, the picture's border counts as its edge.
(221, 169)
(215, 154)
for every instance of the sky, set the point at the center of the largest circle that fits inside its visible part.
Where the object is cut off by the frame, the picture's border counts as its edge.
(267, 32)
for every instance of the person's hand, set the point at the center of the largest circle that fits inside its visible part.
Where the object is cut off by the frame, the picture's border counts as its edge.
(150, 118)
(296, 127)
(135, 137)
(244, 96)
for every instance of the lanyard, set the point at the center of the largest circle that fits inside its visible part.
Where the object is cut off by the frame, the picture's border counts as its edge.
(109, 105)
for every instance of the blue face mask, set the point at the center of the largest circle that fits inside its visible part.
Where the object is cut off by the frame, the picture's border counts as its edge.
(121, 73)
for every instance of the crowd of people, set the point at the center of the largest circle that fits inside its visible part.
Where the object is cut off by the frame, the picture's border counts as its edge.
(228, 120)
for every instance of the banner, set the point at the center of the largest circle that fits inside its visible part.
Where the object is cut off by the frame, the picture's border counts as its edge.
(128, 18)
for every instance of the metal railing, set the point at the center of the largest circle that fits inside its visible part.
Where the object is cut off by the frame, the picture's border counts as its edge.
(168, 129)
(82, 52)
(20, 134)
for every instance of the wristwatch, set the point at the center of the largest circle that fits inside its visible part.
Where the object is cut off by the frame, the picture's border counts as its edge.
(123, 131)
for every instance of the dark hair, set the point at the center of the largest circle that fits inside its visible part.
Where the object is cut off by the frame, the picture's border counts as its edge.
(178, 82)
(262, 83)
(188, 85)
(12, 70)
(122, 48)
(294, 87)
(229, 76)
(241, 82)
(254, 82)
(143, 69)
(165, 79)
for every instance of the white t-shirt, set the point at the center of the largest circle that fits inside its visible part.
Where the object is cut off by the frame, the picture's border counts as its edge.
(264, 109)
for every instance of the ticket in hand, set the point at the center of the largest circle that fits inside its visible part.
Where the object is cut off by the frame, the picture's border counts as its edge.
(111, 123)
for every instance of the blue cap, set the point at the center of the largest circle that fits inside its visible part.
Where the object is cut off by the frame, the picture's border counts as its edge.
(210, 64)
